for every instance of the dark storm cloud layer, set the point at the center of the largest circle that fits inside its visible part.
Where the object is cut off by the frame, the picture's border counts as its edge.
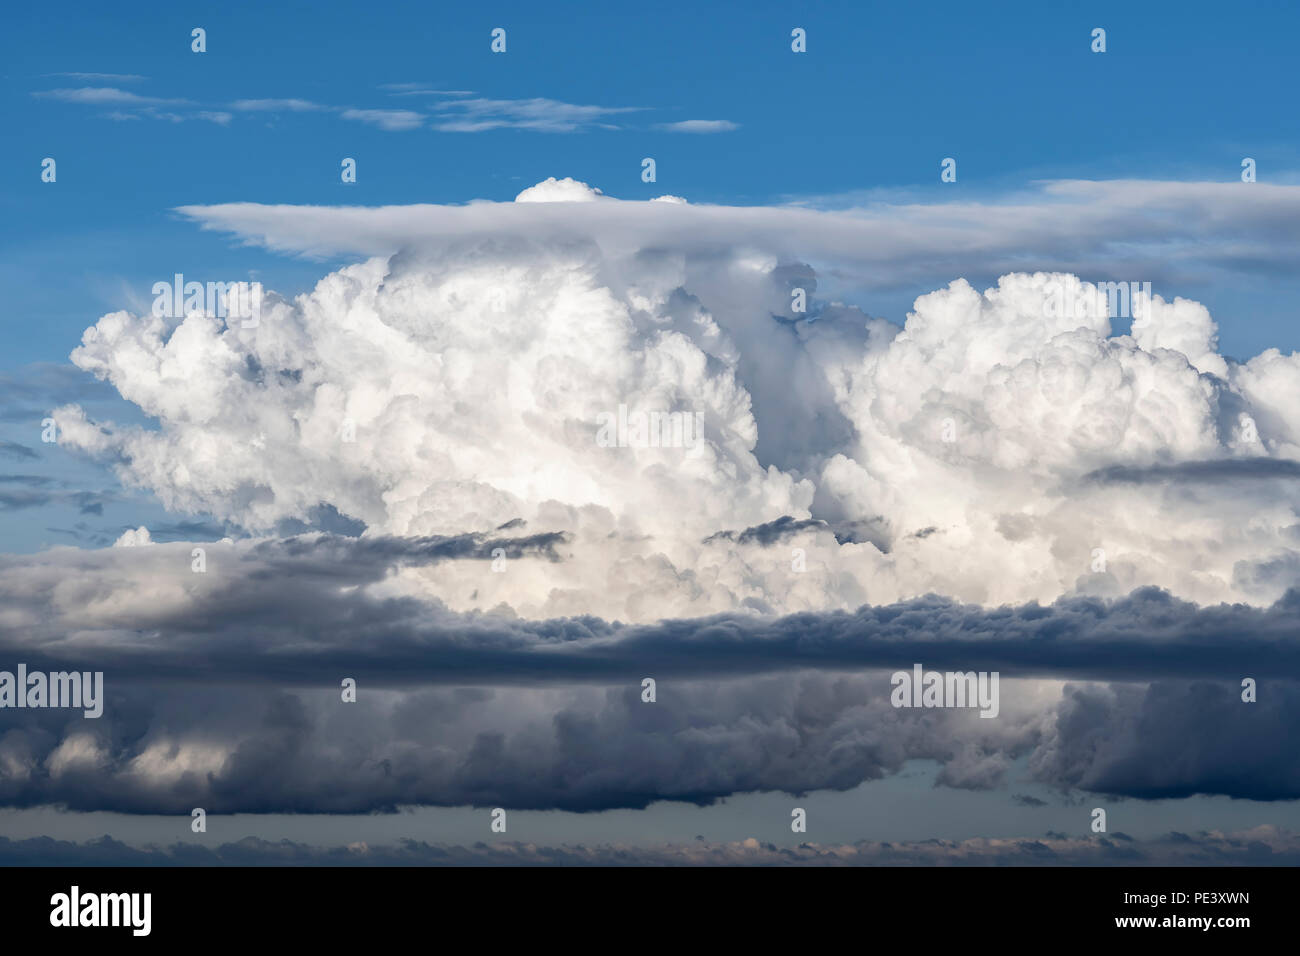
(1172, 739)
(1264, 846)
(231, 750)
(297, 611)
(223, 689)
(262, 751)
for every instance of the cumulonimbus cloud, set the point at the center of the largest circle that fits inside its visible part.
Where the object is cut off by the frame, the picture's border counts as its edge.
(164, 747)
(1000, 483)
(460, 383)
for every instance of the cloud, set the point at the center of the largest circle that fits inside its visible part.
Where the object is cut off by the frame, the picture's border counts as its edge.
(1243, 469)
(544, 115)
(252, 747)
(1174, 232)
(102, 77)
(87, 502)
(1119, 739)
(289, 105)
(1108, 520)
(1260, 846)
(257, 749)
(29, 393)
(214, 694)
(132, 105)
(700, 126)
(189, 531)
(135, 107)
(361, 599)
(559, 190)
(420, 89)
(221, 119)
(107, 96)
(30, 480)
(133, 537)
(11, 449)
(17, 500)
(392, 120)
(770, 533)
(965, 453)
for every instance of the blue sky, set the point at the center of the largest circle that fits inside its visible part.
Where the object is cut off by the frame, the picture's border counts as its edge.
(1183, 92)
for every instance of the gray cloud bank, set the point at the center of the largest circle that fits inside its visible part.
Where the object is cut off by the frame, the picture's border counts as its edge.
(1262, 846)
(223, 689)
(307, 609)
(231, 749)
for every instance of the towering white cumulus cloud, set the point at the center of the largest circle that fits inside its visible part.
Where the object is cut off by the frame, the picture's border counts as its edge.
(995, 448)
(559, 190)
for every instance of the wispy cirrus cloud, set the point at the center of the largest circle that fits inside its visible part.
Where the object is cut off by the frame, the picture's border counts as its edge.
(434, 93)
(220, 118)
(288, 104)
(391, 120)
(420, 89)
(699, 126)
(13, 449)
(101, 77)
(461, 114)
(133, 106)
(88, 502)
(27, 394)
(539, 113)
(108, 96)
